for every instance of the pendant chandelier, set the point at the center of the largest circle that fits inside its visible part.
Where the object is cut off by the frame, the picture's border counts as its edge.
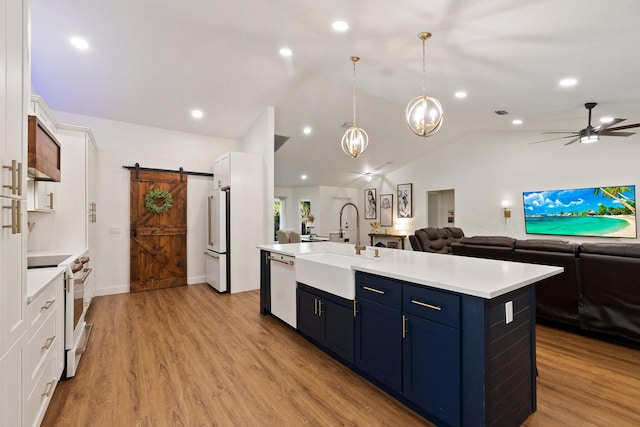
(355, 139)
(424, 114)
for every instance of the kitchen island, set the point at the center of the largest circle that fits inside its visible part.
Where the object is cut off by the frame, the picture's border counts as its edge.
(452, 337)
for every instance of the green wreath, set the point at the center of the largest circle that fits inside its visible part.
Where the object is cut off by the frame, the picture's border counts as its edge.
(150, 201)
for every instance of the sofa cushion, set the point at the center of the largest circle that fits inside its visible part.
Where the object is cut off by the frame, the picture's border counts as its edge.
(432, 240)
(455, 232)
(615, 249)
(548, 245)
(500, 241)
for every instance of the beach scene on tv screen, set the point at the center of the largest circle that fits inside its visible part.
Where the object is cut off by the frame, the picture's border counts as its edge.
(596, 211)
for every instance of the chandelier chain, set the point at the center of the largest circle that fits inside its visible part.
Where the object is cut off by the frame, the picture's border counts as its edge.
(424, 69)
(354, 91)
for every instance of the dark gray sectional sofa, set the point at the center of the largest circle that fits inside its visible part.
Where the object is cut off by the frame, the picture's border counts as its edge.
(598, 291)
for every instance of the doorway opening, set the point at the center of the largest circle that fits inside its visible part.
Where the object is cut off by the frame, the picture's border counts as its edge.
(441, 208)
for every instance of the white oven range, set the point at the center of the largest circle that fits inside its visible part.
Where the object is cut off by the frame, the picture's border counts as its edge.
(77, 300)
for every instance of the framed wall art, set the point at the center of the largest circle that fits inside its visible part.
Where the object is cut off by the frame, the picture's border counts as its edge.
(405, 198)
(386, 210)
(370, 204)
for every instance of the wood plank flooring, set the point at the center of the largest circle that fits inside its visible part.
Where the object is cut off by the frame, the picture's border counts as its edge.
(189, 356)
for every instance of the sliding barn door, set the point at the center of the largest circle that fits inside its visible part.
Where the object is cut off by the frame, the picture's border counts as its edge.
(158, 240)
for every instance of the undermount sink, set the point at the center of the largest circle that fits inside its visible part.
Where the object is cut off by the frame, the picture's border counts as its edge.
(329, 272)
(43, 261)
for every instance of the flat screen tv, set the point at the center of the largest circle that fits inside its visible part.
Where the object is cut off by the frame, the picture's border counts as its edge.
(597, 211)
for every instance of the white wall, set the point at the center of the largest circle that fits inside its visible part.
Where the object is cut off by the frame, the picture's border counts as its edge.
(490, 167)
(124, 144)
(260, 140)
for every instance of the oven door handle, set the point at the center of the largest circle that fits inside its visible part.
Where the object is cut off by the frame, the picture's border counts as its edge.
(81, 281)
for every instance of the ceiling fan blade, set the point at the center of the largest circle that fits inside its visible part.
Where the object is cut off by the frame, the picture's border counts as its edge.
(608, 125)
(635, 125)
(615, 133)
(576, 139)
(553, 139)
(573, 133)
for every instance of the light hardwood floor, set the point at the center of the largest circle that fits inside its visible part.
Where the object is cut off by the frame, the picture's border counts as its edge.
(191, 357)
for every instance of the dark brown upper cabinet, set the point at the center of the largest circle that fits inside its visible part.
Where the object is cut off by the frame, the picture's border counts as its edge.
(44, 152)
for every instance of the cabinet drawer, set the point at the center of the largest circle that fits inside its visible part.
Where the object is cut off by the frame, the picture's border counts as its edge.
(431, 304)
(379, 289)
(40, 395)
(44, 304)
(41, 346)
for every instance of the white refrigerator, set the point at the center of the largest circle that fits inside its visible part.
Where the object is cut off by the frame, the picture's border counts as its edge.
(217, 253)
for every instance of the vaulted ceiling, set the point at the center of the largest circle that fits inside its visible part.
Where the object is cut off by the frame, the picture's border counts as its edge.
(152, 62)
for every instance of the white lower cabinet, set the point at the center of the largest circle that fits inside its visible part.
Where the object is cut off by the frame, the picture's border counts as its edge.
(43, 360)
(11, 387)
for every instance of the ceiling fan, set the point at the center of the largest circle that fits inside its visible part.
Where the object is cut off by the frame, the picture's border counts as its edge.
(592, 134)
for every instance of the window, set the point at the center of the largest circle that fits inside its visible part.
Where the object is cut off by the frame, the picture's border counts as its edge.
(306, 218)
(279, 217)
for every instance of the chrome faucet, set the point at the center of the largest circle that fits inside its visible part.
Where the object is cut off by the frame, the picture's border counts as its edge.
(359, 246)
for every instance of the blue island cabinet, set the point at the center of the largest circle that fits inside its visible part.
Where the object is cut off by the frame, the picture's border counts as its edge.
(326, 320)
(451, 357)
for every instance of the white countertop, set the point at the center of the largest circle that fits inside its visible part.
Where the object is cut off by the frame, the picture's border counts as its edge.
(479, 277)
(39, 278)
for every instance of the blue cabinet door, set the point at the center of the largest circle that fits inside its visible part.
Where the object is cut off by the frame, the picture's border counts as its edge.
(309, 322)
(338, 329)
(379, 343)
(431, 353)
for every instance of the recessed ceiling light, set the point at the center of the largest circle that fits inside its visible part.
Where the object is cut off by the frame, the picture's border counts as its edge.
(517, 121)
(568, 82)
(307, 130)
(606, 119)
(197, 114)
(79, 43)
(285, 51)
(340, 26)
(303, 177)
(461, 94)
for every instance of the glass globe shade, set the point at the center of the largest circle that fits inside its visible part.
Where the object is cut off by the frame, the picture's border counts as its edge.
(424, 115)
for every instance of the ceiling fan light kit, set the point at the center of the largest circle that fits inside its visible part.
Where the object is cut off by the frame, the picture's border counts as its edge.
(355, 140)
(592, 134)
(424, 114)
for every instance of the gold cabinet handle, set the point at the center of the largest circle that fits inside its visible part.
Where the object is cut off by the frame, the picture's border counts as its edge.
(404, 326)
(315, 306)
(48, 304)
(287, 262)
(424, 304)
(18, 217)
(355, 310)
(51, 200)
(319, 308)
(48, 389)
(48, 343)
(16, 214)
(14, 176)
(377, 291)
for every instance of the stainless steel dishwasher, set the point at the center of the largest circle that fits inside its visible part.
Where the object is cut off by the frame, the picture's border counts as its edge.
(283, 288)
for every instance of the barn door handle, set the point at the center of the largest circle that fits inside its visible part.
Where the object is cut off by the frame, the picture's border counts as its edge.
(134, 230)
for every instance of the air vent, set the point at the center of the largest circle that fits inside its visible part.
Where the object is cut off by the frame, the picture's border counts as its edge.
(347, 125)
(279, 141)
(501, 112)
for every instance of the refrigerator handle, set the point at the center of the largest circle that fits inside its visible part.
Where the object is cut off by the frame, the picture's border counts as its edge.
(209, 231)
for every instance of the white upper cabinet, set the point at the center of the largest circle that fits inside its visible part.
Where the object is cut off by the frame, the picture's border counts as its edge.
(221, 171)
